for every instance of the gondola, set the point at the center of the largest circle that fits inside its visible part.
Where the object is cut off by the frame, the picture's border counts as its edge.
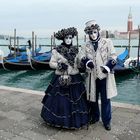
(129, 66)
(19, 65)
(40, 65)
(1, 65)
(41, 62)
(121, 70)
(18, 61)
(20, 48)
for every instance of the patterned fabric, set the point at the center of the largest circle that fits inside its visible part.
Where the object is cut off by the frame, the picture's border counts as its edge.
(89, 29)
(60, 35)
(68, 53)
(66, 106)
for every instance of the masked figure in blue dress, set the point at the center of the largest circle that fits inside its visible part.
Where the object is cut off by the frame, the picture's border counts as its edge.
(64, 103)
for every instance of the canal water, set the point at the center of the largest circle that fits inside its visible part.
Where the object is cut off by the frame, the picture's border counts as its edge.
(128, 86)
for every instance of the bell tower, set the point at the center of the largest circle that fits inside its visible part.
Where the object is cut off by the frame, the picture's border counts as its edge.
(129, 22)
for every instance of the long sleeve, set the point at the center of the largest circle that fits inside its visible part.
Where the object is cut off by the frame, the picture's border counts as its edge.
(111, 58)
(53, 62)
(82, 53)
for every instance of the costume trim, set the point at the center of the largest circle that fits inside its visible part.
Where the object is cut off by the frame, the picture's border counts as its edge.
(85, 112)
(107, 68)
(87, 63)
(65, 127)
(74, 102)
(68, 53)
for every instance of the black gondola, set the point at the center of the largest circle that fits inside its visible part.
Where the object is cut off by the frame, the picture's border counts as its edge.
(20, 49)
(118, 70)
(39, 65)
(1, 66)
(7, 65)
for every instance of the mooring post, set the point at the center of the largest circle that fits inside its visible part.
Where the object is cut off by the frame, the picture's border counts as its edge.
(15, 42)
(138, 61)
(33, 43)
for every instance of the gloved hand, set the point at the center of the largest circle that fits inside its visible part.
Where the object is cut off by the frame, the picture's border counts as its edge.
(111, 63)
(84, 60)
(62, 66)
(104, 71)
(90, 65)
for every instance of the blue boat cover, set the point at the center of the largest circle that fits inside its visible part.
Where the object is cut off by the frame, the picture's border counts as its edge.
(44, 57)
(123, 55)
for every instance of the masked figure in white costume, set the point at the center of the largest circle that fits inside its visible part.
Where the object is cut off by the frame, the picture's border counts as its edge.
(98, 57)
(64, 103)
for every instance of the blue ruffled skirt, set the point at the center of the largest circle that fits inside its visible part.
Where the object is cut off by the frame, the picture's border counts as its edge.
(66, 106)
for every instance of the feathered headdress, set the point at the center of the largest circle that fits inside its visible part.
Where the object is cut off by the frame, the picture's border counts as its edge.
(60, 35)
(90, 25)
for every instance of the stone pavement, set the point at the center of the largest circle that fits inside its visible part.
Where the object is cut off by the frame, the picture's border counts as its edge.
(20, 120)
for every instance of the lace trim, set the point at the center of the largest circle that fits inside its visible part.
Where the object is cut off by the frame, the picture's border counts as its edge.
(68, 53)
(58, 116)
(74, 83)
(74, 102)
(66, 127)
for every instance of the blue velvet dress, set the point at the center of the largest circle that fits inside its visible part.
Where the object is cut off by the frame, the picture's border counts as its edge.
(65, 106)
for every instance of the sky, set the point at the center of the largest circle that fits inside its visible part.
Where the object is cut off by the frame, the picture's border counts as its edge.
(47, 16)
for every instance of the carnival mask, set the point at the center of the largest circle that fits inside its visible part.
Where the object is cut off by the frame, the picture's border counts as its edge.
(68, 39)
(94, 34)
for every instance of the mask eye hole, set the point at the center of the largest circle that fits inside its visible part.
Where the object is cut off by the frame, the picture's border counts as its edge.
(68, 37)
(95, 32)
(90, 32)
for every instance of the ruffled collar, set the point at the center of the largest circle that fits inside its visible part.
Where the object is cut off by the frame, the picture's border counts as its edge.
(68, 52)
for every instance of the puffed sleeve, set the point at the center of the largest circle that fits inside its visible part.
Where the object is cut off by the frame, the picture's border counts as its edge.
(53, 62)
(111, 57)
(82, 52)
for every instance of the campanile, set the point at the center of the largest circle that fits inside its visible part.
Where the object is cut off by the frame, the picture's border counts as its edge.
(129, 22)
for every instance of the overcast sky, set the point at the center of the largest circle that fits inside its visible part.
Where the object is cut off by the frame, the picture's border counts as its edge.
(47, 16)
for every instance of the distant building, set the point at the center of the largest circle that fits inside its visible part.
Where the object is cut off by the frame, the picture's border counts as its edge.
(107, 34)
(6, 37)
(133, 32)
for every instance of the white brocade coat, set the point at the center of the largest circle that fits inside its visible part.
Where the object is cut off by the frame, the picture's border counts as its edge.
(104, 52)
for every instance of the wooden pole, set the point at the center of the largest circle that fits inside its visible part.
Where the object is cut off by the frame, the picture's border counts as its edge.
(84, 38)
(107, 34)
(15, 42)
(33, 43)
(138, 61)
(54, 40)
(18, 44)
(77, 41)
(129, 42)
(51, 42)
(10, 44)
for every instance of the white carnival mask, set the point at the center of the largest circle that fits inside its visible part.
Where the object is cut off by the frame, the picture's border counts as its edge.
(94, 34)
(68, 39)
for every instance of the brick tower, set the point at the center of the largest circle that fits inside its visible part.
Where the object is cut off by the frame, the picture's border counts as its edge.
(129, 22)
